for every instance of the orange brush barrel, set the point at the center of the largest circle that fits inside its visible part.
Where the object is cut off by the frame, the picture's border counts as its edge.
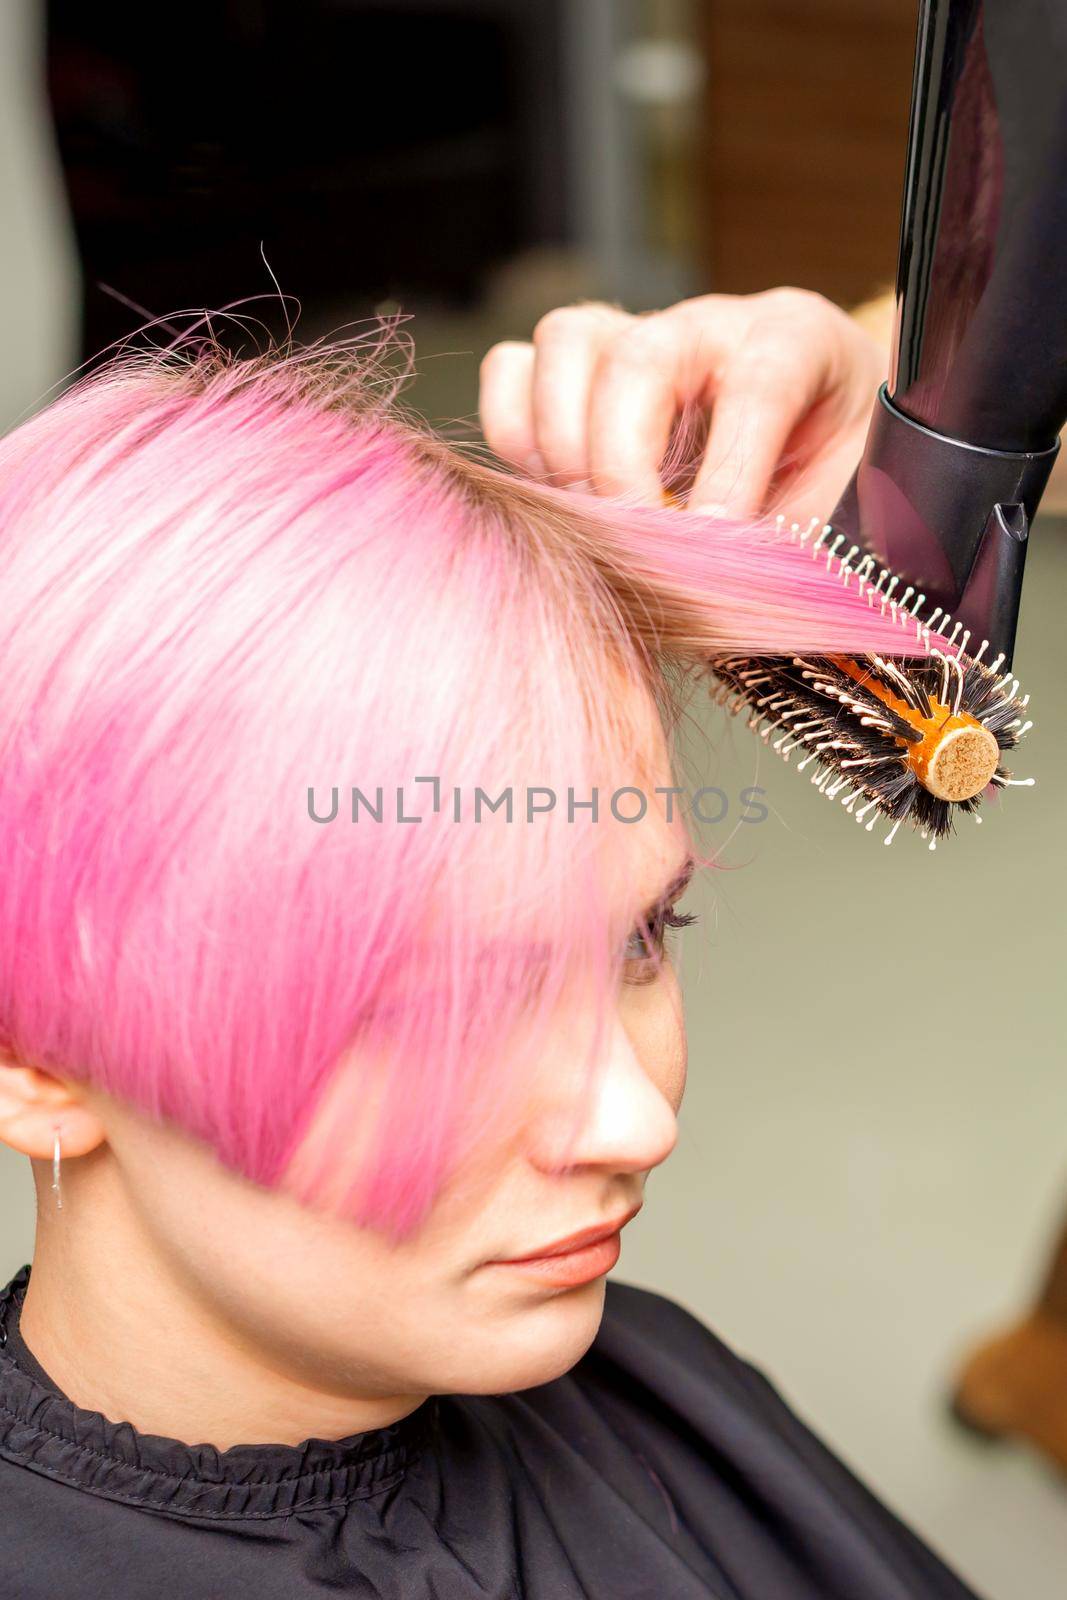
(954, 756)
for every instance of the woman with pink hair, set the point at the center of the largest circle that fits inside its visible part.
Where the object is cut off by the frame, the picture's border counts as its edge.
(340, 849)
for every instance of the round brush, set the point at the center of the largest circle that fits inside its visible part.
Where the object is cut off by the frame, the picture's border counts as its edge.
(914, 738)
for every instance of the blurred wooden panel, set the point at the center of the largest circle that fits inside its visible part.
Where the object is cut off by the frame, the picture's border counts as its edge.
(807, 115)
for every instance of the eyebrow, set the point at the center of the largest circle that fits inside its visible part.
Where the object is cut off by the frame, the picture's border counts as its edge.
(673, 890)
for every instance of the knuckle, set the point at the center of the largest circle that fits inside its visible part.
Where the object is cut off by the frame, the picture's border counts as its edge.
(648, 340)
(559, 323)
(764, 362)
(799, 305)
(788, 294)
(570, 323)
(500, 355)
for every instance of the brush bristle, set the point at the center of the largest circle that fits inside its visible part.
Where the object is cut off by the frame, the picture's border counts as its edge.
(858, 745)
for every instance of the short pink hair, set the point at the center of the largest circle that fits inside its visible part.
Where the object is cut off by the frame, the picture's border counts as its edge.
(227, 582)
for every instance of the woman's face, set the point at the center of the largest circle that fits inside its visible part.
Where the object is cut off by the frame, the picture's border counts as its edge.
(345, 1309)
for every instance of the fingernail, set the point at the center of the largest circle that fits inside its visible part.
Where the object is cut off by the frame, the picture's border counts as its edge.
(535, 464)
(713, 510)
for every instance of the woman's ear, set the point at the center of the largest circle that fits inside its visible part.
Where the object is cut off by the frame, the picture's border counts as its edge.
(34, 1105)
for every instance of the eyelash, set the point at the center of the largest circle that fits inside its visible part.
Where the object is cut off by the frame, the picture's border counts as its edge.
(653, 940)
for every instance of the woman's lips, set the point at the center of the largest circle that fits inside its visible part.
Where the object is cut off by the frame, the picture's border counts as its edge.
(577, 1259)
(572, 1266)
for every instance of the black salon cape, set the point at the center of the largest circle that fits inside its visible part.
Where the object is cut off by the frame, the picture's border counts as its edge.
(660, 1467)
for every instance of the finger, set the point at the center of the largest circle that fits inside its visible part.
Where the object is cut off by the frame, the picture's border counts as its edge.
(762, 396)
(505, 405)
(568, 345)
(643, 379)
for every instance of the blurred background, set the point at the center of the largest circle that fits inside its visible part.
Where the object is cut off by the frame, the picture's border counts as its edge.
(873, 1162)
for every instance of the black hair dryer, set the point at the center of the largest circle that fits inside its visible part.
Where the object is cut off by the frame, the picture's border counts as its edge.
(965, 433)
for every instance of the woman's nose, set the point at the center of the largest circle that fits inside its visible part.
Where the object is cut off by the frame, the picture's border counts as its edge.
(624, 1122)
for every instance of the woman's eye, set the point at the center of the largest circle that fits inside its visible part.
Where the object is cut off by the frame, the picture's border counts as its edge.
(639, 946)
(646, 945)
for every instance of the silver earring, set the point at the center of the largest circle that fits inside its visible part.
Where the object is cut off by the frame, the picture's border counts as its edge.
(56, 1154)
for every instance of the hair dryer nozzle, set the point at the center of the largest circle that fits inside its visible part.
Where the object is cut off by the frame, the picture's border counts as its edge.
(951, 518)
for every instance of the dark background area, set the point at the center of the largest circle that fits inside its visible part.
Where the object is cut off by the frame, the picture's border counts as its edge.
(435, 154)
(367, 169)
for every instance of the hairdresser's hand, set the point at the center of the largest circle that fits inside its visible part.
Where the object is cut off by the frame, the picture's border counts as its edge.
(789, 381)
